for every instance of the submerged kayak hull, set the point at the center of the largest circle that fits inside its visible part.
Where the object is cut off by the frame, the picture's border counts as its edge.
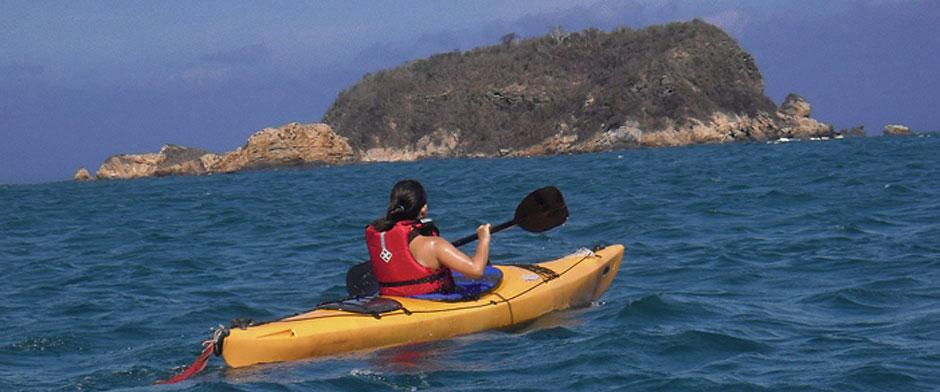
(522, 296)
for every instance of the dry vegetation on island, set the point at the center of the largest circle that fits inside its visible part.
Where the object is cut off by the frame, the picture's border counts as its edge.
(563, 92)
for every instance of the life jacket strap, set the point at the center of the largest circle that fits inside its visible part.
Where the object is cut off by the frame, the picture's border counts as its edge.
(440, 275)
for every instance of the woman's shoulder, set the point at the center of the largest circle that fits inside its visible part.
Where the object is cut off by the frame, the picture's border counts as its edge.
(424, 239)
(429, 242)
(425, 250)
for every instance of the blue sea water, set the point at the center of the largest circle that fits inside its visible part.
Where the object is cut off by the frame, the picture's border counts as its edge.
(809, 266)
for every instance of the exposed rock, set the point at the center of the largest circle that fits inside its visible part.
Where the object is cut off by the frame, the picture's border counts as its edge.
(897, 130)
(856, 131)
(795, 106)
(176, 155)
(172, 160)
(561, 142)
(721, 128)
(792, 121)
(129, 166)
(627, 135)
(796, 123)
(438, 144)
(82, 175)
(293, 144)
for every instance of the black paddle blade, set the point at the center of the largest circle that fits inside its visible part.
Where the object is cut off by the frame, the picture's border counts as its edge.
(360, 282)
(541, 210)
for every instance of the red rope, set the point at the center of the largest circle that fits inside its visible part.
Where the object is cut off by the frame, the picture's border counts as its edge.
(196, 367)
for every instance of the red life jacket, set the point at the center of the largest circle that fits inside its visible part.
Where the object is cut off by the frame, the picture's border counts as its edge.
(395, 267)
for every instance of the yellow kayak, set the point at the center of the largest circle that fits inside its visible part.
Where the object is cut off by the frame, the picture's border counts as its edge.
(523, 295)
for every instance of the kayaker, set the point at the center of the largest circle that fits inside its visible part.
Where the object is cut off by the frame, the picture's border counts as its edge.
(407, 256)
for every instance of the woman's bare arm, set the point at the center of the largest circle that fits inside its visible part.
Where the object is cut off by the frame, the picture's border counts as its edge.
(449, 256)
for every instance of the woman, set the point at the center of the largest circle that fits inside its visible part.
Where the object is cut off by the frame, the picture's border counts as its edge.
(405, 260)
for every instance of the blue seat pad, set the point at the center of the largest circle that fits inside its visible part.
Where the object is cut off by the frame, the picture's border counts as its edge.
(468, 288)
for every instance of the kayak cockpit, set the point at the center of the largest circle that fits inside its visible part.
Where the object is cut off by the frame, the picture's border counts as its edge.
(467, 288)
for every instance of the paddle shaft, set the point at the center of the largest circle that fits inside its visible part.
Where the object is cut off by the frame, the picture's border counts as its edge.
(495, 229)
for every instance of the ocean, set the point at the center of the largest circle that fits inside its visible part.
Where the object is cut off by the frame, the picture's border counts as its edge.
(804, 266)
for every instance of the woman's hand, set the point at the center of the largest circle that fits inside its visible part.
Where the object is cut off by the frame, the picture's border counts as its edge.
(483, 232)
(433, 252)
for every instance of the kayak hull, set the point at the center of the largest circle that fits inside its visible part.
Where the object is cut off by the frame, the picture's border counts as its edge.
(523, 295)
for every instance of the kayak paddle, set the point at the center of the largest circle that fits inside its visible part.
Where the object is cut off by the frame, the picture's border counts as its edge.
(539, 211)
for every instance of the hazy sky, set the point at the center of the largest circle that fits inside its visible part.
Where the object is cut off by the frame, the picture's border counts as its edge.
(83, 80)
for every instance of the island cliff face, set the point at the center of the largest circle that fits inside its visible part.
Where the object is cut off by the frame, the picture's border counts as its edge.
(679, 84)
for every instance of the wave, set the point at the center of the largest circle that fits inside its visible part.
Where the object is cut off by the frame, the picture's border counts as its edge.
(656, 308)
(857, 301)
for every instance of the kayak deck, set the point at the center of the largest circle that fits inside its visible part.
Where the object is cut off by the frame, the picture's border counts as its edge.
(523, 295)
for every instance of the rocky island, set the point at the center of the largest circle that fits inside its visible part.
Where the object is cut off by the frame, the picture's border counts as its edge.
(291, 145)
(672, 85)
(897, 130)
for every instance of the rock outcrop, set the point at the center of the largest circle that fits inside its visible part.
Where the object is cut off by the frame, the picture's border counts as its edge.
(791, 121)
(856, 131)
(897, 130)
(171, 160)
(795, 121)
(82, 175)
(291, 145)
(439, 143)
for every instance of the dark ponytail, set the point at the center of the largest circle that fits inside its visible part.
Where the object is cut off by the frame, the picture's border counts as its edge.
(405, 203)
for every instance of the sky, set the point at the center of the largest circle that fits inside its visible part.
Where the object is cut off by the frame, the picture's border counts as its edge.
(81, 81)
